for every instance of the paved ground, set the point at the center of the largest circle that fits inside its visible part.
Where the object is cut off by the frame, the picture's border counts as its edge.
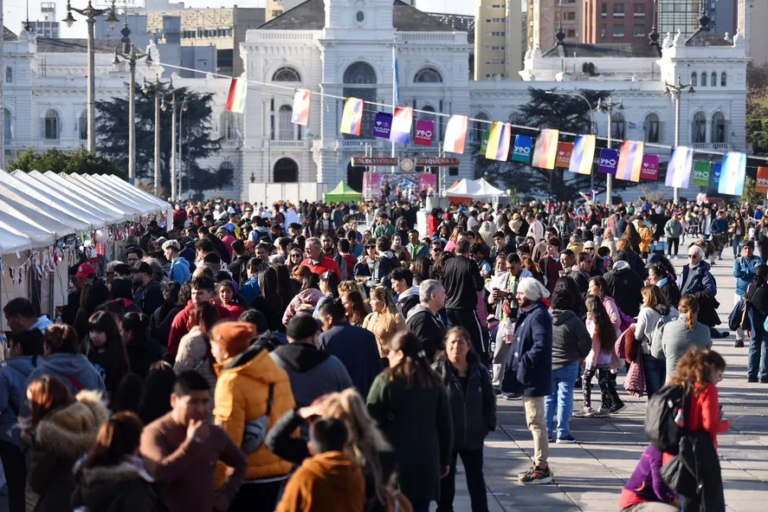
(589, 475)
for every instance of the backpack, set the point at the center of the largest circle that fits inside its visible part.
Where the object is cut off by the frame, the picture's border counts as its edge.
(656, 335)
(665, 417)
(625, 320)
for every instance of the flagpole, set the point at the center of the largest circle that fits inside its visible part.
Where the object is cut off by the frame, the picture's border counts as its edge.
(394, 91)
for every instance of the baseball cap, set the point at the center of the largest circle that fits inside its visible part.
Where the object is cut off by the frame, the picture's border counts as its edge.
(653, 259)
(589, 245)
(749, 243)
(85, 270)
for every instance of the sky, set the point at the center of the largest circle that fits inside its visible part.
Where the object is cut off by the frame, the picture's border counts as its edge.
(14, 11)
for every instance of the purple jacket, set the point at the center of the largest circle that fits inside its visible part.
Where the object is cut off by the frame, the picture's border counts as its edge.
(646, 482)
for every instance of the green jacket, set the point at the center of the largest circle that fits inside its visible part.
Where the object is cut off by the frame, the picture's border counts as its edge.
(418, 424)
(387, 230)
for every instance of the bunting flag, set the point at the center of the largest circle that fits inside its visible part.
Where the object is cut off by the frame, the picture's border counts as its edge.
(455, 135)
(716, 171)
(609, 159)
(734, 170)
(545, 152)
(679, 167)
(236, 98)
(630, 161)
(564, 151)
(352, 118)
(702, 171)
(522, 149)
(425, 129)
(650, 170)
(484, 142)
(382, 125)
(583, 155)
(301, 102)
(402, 121)
(761, 184)
(498, 142)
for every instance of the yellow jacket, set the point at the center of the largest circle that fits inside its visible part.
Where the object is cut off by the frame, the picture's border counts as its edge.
(646, 236)
(242, 392)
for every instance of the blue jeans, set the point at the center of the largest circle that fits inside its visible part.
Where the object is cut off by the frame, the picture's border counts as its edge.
(655, 371)
(561, 400)
(758, 347)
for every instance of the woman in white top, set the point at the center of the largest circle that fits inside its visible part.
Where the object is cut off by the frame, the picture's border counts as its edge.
(653, 308)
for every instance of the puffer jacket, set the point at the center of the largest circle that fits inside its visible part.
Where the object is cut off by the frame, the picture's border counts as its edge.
(125, 487)
(700, 277)
(59, 440)
(242, 392)
(310, 297)
(13, 393)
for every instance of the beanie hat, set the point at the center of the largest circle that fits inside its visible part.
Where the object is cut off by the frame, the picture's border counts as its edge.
(234, 337)
(301, 327)
(532, 289)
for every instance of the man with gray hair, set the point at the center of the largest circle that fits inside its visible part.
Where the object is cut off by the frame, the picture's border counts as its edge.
(317, 263)
(423, 320)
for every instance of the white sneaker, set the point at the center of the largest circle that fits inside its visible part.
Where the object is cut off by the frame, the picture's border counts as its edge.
(601, 413)
(585, 412)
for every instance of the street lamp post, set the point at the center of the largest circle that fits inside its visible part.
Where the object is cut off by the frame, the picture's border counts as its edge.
(676, 90)
(90, 14)
(131, 57)
(608, 109)
(157, 87)
(591, 117)
(173, 104)
(182, 109)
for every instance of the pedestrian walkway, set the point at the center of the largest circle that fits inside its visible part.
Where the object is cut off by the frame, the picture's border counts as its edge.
(589, 475)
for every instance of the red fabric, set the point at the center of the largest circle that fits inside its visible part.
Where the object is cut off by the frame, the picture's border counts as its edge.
(351, 261)
(628, 499)
(326, 264)
(182, 324)
(228, 241)
(235, 310)
(432, 223)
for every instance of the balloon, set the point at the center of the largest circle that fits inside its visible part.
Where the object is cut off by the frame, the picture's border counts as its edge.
(102, 236)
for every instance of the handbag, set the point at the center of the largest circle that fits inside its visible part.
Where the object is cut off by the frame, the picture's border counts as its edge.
(677, 474)
(738, 319)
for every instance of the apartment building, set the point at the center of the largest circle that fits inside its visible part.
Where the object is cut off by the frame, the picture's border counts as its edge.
(545, 17)
(498, 38)
(617, 21)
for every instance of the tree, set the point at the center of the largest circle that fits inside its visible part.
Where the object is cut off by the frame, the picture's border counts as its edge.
(750, 195)
(757, 107)
(112, 133)
(79, 161)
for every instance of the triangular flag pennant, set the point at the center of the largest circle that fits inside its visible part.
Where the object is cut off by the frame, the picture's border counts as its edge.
(455, 135)
(630, 161)
(545, 151)
(582, 155)
(679, 167)
(352, 118)
(402, 121)
(732, 174)
(301, 102)
(498, 142)
(236, 98)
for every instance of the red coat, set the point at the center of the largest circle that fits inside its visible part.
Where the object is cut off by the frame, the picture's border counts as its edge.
(182, 323)
(325, 265)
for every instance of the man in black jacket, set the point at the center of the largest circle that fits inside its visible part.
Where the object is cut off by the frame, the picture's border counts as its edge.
(462, 281)
(149, 295)
(407, 294)
(423, 320)
(624, 285)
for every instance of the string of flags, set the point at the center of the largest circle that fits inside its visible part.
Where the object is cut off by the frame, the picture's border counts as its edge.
(546, 151)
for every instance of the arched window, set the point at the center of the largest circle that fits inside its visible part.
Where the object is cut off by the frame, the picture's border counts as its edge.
(285, 127)
(228, 126)
(713, 79)
(82, 126)
(51, 125)
(286, 74)
(478, 128)
(651, 127)
(286, 170)
(428, 75)
(9, 75)
(8, 124)
(618, 126)
(704, 79)
(360, 82)
(699, 128)
(694, 82)
(718, 128)
(723, 79)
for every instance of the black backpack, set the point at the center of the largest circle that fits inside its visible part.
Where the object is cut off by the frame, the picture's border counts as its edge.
(665, 417)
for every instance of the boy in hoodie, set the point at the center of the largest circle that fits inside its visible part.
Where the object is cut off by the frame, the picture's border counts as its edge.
(25, 348)
(179, 267)
(407, 294)
(20, 316)
(312, 372)
(330, 480)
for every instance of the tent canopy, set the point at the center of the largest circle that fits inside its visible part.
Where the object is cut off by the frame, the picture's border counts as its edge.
(473, 189)
(341, 193)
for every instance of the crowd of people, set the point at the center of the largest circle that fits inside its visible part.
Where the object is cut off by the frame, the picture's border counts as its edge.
(319, 357)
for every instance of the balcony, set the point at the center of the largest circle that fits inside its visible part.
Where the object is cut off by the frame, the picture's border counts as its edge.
(618, 14)
(51, 142)
(287, 144)
(715, 146)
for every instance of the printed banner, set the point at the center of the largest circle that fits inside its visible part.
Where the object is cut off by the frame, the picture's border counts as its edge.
(498, 142)
(702, 171)
(583, 155)
(716, 173)
(373, 181)
(425, 130)
(484, 142)
(545, 152)
(402, 122)
(630, 161)
(609, 160)
(761, 184)
(734, 171)
(522, 149)
(301, 103)
(564, 150)
(679, 167)
(650, 170)
(382, 125)
(352, 118)
(456, 135)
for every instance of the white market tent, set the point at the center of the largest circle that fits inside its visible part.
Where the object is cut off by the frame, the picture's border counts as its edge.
(28, 204)
(109, 195)
(474, 189)
(115, 212)
(165, 207)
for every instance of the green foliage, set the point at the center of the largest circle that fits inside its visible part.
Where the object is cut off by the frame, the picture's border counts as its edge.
(757, 107)
(750, 195)
(80, 161)
(112, 133)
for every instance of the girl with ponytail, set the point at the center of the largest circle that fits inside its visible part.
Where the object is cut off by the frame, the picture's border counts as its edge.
(682, 334)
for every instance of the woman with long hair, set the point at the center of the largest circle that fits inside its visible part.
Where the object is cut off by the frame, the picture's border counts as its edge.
(654, 308)
(601, 360)
(287, 288)
(385, 320)
(112, 476)
(270, 303)
(632, 236)
(660, 276)
(354, 307)
(195, 347)
(295, 257)
(155, 401)
(106, 350)
(411, 407)
(599, 288)
(682, 334)
(230, 299)
(473, 409)
(141, 349)
(61, 429)
(451, 245)
(437, 268)
(307, 298)
(329, 285)
(162, 318)
(737, 231)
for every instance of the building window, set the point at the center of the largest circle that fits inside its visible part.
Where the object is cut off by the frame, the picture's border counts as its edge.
(82, 126)
(651, 127)
(694, 81)
(477, 127)
(286, 170)
(699, 128)
(718, 128)
(704, 79)
(639, 10)
(723, 79)
(639, 31)
(618, 31)
(51, 125)
(228, 126)
(286, 75)
(713, 79)
(618, 127)
(9, 75)
(604, 11)
(360, 16)
(8, 124)
(618, 10)
(571, 32)
(428, 75)
(498, 34)
(285, 127)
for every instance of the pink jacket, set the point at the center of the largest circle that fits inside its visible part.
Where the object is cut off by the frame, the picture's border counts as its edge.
(309, 296)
